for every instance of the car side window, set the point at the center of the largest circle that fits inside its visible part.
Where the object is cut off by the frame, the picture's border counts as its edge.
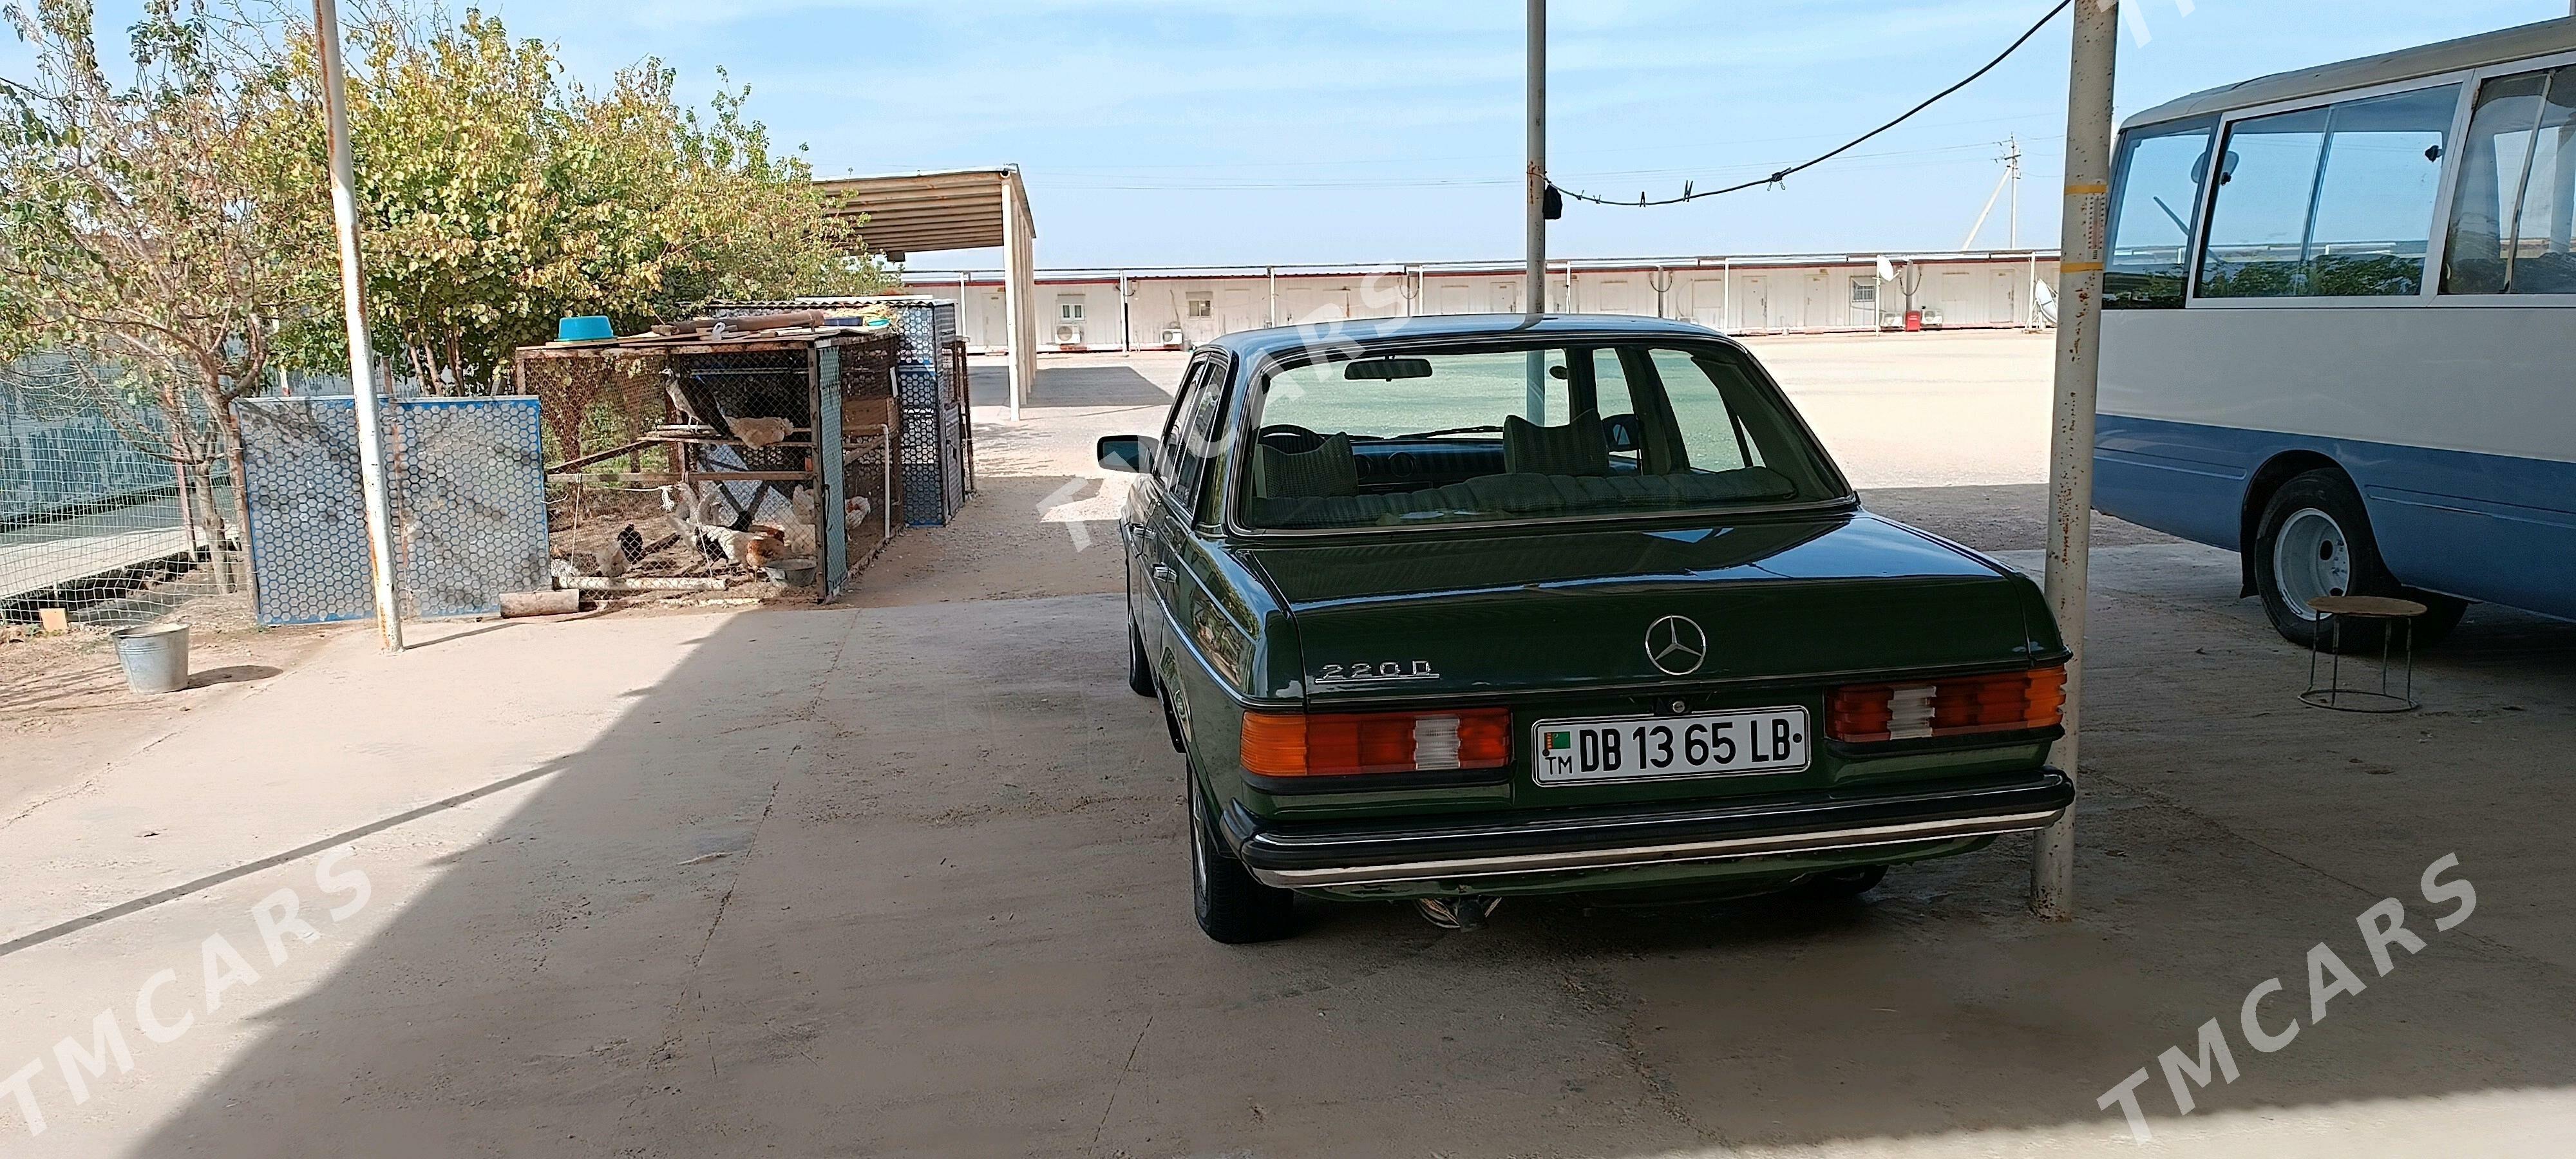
(1200, 441)
(1167, 460)
(1188, 438)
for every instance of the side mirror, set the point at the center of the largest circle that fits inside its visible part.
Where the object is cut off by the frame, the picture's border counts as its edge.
(1130, 453)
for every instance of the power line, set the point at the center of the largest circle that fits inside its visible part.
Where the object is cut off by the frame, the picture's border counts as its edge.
(1688, 194)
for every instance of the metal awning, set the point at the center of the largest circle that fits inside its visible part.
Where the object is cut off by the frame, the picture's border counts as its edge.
(921, 212)
(905, 214)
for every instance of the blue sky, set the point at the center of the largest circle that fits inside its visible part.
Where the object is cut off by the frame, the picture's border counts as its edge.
(1154, 132)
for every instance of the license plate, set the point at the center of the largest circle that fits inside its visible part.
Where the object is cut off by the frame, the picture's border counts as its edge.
(1629, 748)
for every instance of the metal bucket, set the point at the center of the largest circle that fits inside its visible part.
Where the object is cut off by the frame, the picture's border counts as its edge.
(155, 657)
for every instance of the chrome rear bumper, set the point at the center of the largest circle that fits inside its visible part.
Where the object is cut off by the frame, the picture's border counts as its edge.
(1378, 853)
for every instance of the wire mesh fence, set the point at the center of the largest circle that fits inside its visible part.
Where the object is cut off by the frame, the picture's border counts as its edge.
(115, 506)
(725, 440)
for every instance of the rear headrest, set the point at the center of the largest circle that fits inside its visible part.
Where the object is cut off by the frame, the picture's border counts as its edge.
(1576, 448)
(1326, 472)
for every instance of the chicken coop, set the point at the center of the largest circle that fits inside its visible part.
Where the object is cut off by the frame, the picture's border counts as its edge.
(743, 444)
(938, 469)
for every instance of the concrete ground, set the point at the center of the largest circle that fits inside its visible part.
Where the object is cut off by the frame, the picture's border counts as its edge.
(907, 878)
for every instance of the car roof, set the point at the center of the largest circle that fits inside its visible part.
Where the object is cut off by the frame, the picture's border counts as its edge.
(2501, 46)
(1255, 345)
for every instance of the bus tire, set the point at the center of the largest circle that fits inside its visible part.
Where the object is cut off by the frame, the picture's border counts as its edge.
(2314, 540)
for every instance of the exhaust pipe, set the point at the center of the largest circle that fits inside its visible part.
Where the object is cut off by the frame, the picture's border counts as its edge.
(1457, 913)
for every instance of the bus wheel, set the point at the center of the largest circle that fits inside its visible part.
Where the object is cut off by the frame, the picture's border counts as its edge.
(2315, 541)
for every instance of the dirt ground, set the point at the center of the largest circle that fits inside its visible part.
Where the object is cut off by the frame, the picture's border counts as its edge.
(908, 878)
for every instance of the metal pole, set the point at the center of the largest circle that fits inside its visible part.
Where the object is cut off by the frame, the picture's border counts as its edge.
(2030, 295)
(1534, 209)
(2079, 365)
(362, 378)
(1271, 275)
(2012, 232)
(1020, 286)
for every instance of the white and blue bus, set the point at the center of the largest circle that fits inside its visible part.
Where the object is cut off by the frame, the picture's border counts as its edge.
(2339, 328)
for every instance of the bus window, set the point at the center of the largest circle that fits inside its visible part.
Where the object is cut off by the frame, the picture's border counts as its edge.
(2154, 197)
(2259, 226)
(2510, 218)
(2331, 202)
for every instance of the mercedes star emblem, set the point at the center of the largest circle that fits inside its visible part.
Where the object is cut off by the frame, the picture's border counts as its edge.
(1677, 645)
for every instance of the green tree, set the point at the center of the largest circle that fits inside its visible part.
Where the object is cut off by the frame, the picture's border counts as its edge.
(136, 227)
(496, 196)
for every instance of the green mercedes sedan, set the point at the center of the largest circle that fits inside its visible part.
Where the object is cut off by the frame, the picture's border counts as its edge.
(1450, 609)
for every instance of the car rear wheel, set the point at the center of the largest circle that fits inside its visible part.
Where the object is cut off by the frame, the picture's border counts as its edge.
(1140, 676)
(1231, 907)
(2314, 541)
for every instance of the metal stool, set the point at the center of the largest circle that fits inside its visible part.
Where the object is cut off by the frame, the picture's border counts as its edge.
(2398, 615)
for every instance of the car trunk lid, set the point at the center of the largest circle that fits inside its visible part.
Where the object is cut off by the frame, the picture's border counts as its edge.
(1568, 610)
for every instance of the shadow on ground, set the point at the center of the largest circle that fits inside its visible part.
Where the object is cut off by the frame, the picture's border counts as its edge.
(911, 881)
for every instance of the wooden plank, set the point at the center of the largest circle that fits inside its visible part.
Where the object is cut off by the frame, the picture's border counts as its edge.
(561, 601)
(587, 460)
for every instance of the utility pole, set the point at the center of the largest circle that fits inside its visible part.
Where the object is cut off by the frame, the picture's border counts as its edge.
(362, 378)
(2012, 171)
(1534, 388)
(2078, 382)
(1535, 184)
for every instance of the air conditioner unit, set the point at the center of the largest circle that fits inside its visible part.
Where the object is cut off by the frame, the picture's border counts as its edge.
(1068, 335)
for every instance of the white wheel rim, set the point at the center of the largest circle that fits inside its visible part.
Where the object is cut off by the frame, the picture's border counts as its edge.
(2311, 559)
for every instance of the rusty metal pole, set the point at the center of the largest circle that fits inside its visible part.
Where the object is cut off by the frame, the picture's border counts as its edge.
(362, 378)
(1534, 181)
(2079, 364)
(1534, 211)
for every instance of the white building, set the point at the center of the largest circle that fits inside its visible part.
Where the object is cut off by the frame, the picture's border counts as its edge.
(1173, 308)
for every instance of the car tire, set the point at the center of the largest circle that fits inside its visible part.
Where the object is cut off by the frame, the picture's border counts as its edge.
(2315, 540)
(1230, 906)
(1837, 884)
(1140, 675)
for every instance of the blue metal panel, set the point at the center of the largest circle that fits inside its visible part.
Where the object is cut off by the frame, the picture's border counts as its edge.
(2485, 527)
(471, 486)
(831, 529)
(468, 478)
(308, 523)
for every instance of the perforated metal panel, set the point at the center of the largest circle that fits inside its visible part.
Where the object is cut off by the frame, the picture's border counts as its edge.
(934, 477)
(470, 491)
(308, 523)
(468, 479)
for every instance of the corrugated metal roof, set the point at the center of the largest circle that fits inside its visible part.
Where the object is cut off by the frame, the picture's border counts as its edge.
(924, 212)
(2529, 40)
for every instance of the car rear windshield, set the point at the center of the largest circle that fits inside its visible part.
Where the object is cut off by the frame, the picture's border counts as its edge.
(1570, 431)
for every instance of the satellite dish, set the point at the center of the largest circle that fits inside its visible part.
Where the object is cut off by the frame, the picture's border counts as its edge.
(1886, 269)
(2046, 300)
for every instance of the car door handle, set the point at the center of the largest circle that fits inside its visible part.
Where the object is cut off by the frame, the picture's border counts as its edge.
(1163, 572)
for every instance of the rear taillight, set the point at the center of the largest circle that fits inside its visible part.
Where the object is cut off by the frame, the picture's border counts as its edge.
(1283, 744)
(2003, 702)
